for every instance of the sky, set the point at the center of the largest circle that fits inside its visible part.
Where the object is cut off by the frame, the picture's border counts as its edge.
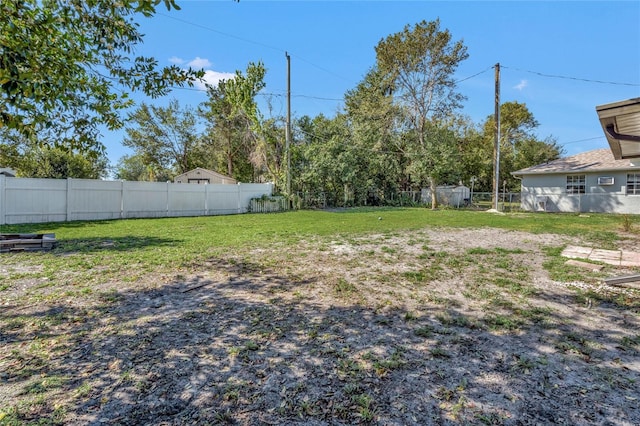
(560, 58)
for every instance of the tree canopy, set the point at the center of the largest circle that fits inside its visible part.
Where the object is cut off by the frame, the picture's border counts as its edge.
(418, 64)
(233, 120)
(63, 64)
(166, 138)
(67, 68)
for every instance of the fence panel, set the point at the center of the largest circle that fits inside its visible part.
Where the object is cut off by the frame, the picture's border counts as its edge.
(93, 199)
(144, 199)
(25, 200)
(249, 191)
(268, 205)
(223, 199)
(186, 200)
(34, 200)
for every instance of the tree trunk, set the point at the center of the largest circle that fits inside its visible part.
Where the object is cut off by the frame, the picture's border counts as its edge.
(229, 158)
(434, 198)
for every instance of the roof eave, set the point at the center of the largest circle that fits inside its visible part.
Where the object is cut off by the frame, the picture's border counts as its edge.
(574, 171)
(620, 123)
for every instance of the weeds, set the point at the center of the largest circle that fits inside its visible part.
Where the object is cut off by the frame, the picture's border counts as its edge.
(497, 322)
(277, 332)
(627, 223)
(344, 288)
(631, 342)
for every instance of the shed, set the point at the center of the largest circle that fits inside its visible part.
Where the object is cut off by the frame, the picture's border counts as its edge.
(448, 195)
(204, 176)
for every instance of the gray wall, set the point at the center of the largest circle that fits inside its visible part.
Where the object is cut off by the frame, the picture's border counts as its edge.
(58, 200)
(598, 198)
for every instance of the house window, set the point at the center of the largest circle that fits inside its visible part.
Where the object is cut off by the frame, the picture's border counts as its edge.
(633, 183)
(575, 184)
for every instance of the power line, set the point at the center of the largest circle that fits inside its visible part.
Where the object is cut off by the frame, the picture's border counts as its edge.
(204, 27)
(257, 43)
(474, 75)
(277, 95)
(583, 140)
(572, 78)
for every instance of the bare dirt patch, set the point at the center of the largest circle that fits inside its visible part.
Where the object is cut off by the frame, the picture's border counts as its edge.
(429, 327)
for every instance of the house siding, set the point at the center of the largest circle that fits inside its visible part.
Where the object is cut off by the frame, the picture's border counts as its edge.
(536, 189)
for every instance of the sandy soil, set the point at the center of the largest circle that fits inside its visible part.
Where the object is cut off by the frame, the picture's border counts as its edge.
(424, 328)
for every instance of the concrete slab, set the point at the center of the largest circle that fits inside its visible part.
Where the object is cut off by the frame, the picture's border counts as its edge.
(612, 257)
(584, 265)
(630, 258)
(577, 252)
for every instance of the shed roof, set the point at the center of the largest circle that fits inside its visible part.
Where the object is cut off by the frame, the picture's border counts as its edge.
(599, 160)
(207, 172)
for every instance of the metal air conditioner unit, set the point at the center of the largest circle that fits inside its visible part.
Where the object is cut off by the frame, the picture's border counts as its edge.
(605, 180)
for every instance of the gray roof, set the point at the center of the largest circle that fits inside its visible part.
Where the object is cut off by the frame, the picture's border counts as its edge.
(7, 172)
(598, 160)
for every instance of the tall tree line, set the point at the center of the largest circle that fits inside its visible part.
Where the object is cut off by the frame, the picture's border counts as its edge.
(401, 128)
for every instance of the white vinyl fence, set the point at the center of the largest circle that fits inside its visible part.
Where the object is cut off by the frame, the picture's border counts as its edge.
(25, 200)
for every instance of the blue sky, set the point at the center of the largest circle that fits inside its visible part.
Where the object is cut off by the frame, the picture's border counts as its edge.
(560, 58)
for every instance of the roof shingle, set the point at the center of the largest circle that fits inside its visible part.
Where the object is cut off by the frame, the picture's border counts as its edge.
(590, 161)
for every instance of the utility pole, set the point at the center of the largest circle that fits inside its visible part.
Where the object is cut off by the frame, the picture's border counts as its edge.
(288, 129)
(496, 146)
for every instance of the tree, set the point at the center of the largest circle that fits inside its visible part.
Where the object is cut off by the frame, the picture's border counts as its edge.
(165, 138)
(63, 65)
(418, 64)
(134, 168)
(234, 121)
(12, 146)
(268, 155)
(531, 151)
(373, 118)
(42, 160)
(58, 163)
(327, 162)
(519, 145)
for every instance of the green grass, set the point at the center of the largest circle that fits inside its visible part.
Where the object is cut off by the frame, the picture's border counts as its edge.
(104, 249)
(170, 250)
(241, 229)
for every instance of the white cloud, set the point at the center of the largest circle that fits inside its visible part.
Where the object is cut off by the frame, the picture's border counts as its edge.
(199, 63)
(521, 85)
(212, 78)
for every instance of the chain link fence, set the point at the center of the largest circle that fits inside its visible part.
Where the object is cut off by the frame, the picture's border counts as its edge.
(508, 201)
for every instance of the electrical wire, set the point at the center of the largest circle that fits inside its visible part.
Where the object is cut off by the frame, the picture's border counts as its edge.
(584, 140)
(475, 75)
(204, 27)
(572, 78)
(257, 43)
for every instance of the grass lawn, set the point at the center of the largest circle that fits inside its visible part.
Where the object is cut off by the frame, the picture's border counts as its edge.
(175, 242)
(358, 316)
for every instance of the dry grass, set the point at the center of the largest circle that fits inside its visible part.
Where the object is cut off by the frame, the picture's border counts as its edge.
(430, 326)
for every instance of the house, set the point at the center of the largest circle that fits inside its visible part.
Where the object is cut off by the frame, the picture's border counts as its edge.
(204, 176)
(592, 181)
